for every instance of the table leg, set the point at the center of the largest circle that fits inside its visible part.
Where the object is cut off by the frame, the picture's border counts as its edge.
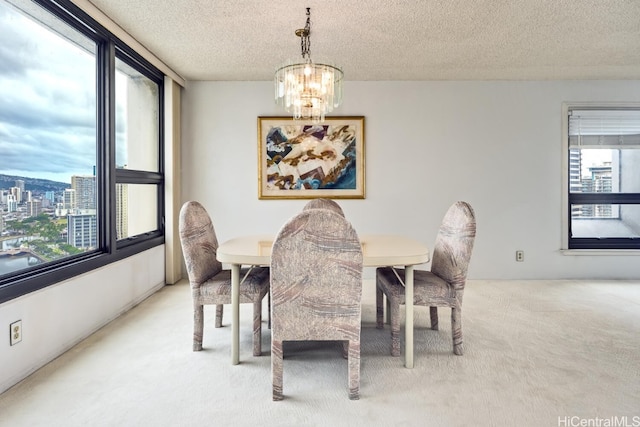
(408, 328)
(235, 317)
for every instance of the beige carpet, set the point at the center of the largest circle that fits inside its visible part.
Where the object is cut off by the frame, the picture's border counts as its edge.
(538, 353)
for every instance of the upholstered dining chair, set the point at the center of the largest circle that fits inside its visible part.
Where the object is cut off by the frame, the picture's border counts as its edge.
(210, 283)
(443, 286)
(316, 289)
(322, 203)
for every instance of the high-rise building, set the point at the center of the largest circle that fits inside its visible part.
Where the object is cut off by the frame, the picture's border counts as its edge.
(12, 204)
(16, 193)
(50, 196)
(69, 199)
(82, 231)
(20, 186)
(575, 167)
(575, 179)
(122, 208)
(85, 188)
(34, 207)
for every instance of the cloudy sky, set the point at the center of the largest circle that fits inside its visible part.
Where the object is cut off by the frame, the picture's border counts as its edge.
(47, 101)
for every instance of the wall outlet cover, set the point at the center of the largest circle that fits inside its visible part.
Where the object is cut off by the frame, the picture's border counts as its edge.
(15, 331)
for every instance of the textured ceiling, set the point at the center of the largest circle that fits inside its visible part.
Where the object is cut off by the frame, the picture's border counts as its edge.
(391, 39)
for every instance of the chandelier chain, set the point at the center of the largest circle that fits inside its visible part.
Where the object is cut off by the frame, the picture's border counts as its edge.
(305, 38)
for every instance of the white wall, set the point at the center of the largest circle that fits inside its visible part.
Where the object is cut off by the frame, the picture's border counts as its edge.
(56, 318)
(496, 145)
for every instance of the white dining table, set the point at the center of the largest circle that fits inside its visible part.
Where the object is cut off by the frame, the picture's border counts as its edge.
(378, 250)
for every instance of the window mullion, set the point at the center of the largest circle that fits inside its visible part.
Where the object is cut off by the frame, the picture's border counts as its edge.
(604, 198)
(106, 146)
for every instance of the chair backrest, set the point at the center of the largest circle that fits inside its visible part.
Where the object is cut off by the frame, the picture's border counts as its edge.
(454, 244)
(199, 243)
(324, 204)
(316, 278)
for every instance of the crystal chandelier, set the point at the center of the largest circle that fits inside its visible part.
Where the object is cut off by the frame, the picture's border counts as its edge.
(306, 89)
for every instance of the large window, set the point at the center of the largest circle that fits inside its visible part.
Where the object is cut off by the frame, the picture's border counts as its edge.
(604, 178)
(137, 151)
(81, 178)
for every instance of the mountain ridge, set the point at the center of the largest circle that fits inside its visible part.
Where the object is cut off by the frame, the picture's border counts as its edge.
(32, 184)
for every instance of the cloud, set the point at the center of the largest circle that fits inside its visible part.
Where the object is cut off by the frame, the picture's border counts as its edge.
(15, 48)
(48, 98)
(48, 104)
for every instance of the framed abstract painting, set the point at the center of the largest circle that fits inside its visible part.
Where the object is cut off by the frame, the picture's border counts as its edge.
(306, 160)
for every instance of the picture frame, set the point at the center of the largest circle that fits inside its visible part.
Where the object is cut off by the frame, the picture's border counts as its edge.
(300, 159)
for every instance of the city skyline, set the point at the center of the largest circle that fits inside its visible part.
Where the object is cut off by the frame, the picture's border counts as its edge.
(593, 157)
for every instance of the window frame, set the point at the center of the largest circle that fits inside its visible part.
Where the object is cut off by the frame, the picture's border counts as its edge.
(611, 245)
(107, 176)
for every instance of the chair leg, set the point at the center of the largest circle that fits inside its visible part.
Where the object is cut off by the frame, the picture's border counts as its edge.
(198, 326)
(379, 308)
(276, 369)
(434, 318)
(388, 311)
(257, 328)
(394, 314)
(219, 308)
(354, 370)
(269, 311)
(456, 330)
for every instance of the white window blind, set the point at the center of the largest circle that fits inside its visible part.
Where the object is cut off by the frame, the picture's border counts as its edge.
(604, 128)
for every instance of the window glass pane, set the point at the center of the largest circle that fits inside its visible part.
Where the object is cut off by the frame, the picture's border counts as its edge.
(604, 170)
(47, 138)
(137, 118)
(136, 209)
(608, 220)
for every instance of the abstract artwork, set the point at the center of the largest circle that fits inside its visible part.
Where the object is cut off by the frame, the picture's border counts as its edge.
(306, 160)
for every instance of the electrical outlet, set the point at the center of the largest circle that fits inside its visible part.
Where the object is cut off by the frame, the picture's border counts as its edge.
(15, 329)
(519, 256)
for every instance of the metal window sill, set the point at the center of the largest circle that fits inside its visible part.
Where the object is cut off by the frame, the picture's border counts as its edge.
(600, 252)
